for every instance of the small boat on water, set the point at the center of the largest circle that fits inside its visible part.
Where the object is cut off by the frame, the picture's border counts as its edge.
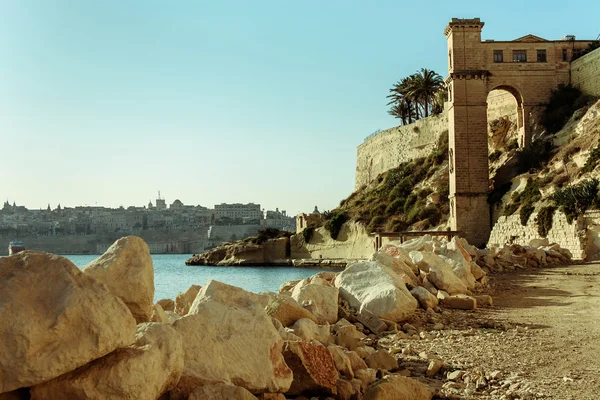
(15, 247)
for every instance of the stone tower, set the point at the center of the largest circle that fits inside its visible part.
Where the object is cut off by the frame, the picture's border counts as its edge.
(467, 130)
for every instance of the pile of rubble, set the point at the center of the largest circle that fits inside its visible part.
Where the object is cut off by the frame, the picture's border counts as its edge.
(96, 333)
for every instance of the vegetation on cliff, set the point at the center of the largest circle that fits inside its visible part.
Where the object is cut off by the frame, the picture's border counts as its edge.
(412, 195)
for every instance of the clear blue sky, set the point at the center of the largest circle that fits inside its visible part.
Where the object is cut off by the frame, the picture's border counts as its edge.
(109, 101)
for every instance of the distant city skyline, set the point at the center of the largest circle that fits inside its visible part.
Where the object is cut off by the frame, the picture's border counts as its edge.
(108, 102)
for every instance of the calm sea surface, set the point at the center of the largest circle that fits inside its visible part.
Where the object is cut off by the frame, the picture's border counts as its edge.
(172, 276)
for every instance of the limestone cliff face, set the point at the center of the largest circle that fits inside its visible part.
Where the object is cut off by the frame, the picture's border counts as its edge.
(353, 241)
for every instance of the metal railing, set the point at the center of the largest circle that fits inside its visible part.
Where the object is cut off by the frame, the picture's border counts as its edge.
(378, 131)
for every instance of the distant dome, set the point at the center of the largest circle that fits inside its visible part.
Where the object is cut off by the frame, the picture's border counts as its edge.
(316, 211)
(177, 204)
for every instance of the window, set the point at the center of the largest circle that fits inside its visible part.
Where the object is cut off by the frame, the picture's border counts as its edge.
(498, 56)
(564, 54)
(519, 55)
(541, 56)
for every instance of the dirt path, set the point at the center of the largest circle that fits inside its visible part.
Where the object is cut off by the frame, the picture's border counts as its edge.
(541, 340)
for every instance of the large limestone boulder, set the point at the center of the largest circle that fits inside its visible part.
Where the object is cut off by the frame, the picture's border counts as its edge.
(395, 387)
(313, 367)
(440, 272)
(371, 286)
(424, 297)
(287, 310)
(320, 300)
(143, 371)
(221, 391)
(54, 319)
(229, 338)
(227, 295)
(398, 266)
(184, 300)
(400, 253)
(126, 269)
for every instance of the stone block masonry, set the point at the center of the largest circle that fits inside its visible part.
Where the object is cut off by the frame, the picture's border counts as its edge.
(569, 236)
(585, 73)
(393, 146)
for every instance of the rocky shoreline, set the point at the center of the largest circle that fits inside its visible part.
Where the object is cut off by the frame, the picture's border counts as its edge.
(96, 334)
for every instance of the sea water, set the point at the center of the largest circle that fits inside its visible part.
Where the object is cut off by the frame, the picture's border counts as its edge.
(172, 276)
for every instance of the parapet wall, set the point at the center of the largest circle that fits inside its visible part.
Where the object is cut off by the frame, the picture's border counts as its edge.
(585, 73)
(581, 238)
(389, 148)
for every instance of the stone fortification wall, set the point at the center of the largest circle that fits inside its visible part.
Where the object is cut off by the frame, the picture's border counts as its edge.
(585, 73)
(501, 103)
(591, 221)
(569, 236)
(224, 233)
(170, 241)
(389, 148)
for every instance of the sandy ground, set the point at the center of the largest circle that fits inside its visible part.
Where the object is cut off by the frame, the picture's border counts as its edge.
(540, 340)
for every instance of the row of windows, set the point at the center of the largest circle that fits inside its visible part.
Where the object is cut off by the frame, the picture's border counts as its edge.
(521, 56)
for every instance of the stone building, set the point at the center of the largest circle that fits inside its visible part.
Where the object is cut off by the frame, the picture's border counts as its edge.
(303, 220)
(234, 211)
(529, 68)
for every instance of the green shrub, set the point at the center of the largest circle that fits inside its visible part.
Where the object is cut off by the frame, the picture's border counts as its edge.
(307, 233)
(535, 155)
(410, 202)
(510, 209)
(560, 107)
(592, 160)
(560, 180)
(375, 222)
(395, 206)
(525, 213)
(334, 224)
(495, 155)
(498, 193)
(398, 225)
(378, 210)
(574, 200)
(544, 220)
(430, 213)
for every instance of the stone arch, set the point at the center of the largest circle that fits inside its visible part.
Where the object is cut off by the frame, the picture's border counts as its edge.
(500, 119)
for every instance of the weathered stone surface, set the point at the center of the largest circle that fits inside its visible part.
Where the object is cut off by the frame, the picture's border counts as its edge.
(341, 361)
(484, 300)
(184, 300)
(401, 254)
(345, 390)
(320, 300)
(460, 301)
(356, 361)
(424, 297)
(442, 275)
(158, 314)
(166, 304)
(366, 376)
(288, 286)
(172, 316)
(349, 337)
(371, 321)
(308, 330)
(227, 295)
(398, 266)
(229, 338)
(144, 370)
(434, 367)
(365, 351)
(381, 359)
(393, 387)
(378, 289)
(221, 391)
(54, 319)
(287, 310)
(126, 269)
(313, 367)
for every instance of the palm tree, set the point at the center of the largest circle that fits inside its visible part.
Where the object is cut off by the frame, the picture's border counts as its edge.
(415, 95)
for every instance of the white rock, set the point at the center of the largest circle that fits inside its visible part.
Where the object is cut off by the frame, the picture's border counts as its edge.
(287, 310)
(376, 288)
(184, 300)
(54, 319)
(424, 297)
(308, 330)
(144, 370)
(229, 338)
(398, 266)
(126, 269)
(320, 300)
(394, 387)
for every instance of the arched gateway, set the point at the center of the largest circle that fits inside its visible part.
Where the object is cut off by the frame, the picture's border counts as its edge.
(529, 68)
